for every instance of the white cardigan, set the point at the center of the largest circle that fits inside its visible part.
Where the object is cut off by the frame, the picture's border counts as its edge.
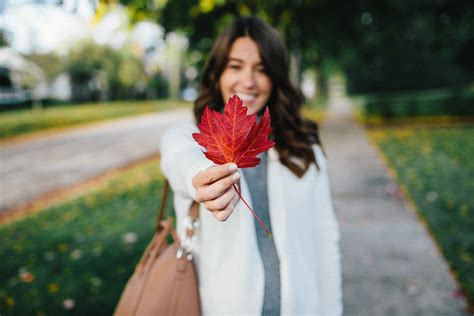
(230, 270)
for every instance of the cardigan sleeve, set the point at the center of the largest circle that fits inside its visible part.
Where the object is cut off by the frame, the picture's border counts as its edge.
(329, 266)
(182, 158)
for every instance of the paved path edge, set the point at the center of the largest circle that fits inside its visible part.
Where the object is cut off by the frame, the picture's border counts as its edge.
(411, 206)
(60, 195)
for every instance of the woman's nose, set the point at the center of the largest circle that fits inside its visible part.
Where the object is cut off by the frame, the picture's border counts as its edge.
(248, 79)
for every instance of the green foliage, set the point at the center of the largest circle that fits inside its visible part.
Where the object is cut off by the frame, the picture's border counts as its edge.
(409, 45)
(87, 59)
(21, 122)
(83, 250)
(157, 87)
(143, 9)
(100, 72)
(3, 39)
(454, 102)
(436, 167)
(380, 45)
(50, 63)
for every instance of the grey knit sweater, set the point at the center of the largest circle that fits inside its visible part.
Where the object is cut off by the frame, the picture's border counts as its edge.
(256, 179)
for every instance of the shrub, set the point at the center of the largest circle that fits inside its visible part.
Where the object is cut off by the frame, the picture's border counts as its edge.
(454, 102)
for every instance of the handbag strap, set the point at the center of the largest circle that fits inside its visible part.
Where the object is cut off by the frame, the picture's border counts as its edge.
(193, 209)
(164, 199)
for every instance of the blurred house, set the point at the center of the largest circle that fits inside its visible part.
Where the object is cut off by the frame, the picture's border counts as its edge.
(20, 79)
(9, 92)
(60, 89)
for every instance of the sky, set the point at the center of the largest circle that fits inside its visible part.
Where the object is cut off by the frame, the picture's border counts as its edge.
(41, 26)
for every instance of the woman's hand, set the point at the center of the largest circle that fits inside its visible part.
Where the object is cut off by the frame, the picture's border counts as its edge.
(214, 189)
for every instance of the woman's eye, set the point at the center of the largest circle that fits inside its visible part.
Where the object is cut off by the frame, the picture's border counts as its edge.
(234, 66)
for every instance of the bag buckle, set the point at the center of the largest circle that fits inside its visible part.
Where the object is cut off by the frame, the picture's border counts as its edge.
(186, 240)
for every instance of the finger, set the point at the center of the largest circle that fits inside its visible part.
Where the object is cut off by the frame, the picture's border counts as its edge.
(222, 215)
(222, 202)
(213, 174)
(225, 213)
(216, 189)
(232, 203)
(235, 200)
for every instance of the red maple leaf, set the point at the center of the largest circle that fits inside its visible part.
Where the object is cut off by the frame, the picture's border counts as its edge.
(235, 137)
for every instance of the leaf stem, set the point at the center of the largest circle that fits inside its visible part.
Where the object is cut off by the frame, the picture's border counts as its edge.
(255, 215)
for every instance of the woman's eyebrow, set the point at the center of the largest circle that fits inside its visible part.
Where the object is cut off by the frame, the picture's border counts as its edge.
(235, 59)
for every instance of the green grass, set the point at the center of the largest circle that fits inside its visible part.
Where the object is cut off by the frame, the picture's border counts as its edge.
(315, 110)
(436, 167)
(316, 115)
(77, 250)
(21, 122)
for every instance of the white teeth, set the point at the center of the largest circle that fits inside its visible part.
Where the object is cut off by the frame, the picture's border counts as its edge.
(246, 97)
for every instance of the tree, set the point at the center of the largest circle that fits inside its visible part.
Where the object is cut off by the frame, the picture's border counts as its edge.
(100, 72)
(203, 20)
(3, 39)
(412, 45)
(50, 63)
(380, 45)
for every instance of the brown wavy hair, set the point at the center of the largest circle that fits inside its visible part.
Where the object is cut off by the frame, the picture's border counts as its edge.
(293, 135)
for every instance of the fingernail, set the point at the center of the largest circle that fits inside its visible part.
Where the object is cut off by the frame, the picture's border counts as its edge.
(236, 176)
(233, 167)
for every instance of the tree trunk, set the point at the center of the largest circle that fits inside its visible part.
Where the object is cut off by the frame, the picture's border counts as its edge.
(295, 67)
(320, 81)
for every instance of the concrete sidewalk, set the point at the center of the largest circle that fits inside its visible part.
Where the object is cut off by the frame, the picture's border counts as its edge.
(31, 169)
(390, 264)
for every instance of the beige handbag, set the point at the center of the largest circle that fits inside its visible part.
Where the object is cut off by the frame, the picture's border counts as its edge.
(165, 280)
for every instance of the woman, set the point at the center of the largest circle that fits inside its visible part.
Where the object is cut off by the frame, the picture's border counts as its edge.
(240, 269)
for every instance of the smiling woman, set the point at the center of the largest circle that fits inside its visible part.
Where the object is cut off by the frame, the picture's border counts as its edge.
(240, 269)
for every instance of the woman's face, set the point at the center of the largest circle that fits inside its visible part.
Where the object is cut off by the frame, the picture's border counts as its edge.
(245, 76)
